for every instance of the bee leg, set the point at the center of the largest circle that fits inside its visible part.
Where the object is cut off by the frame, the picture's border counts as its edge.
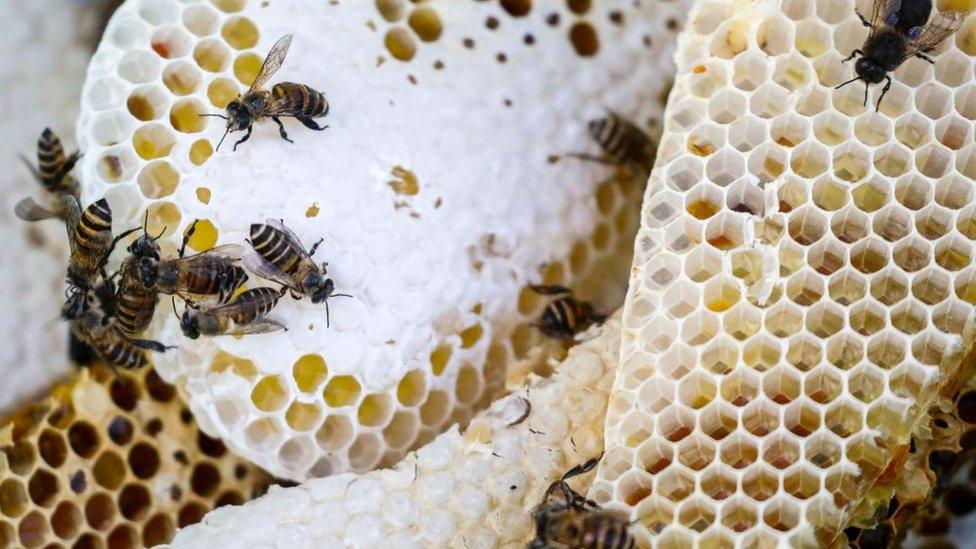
(245, 138)
(186, 236)
(310, 124)
(851, 56)
(542, 289)
(864, 21)
(591, 158)
(884, 90)
(925, 57)
(151, 345)
(314, 247)
(281, 129)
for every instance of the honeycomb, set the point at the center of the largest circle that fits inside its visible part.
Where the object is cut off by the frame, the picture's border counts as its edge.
(441, 190)
(474, 490)
(803, 280)
(114, 462)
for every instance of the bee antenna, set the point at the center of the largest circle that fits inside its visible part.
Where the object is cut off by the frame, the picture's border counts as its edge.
(174, 307)
(855, 79)
(214, 115)
(222, 138)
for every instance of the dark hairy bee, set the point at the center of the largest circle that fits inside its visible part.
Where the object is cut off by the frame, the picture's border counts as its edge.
(565, 316)
(899, 30)
(280, 256)
(91, 242)
(53, 173)
(621, 141)
(103, 336)
(247, 314)
(577, 522)
(284, 99)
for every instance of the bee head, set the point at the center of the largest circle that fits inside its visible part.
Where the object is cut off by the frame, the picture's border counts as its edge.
(238, 115)
(188, 323)
(146, 270)
(75, 305)
(869, 71)
(320, 286)
(145, 246)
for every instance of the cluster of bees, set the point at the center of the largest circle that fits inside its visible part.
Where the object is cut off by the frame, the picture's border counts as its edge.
(108, 313)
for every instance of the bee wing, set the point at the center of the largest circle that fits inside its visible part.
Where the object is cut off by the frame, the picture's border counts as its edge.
(942, 26)
(262, 326)
(267, 270)
(273, 61)
(278, 224)
(69, 164)
(884, 13)
(230, 251)
(28, 210)
(72, 217)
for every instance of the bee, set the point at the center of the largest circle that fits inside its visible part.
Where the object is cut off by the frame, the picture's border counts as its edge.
(53, 173)
(91, 243)
(899, 30)
(622, 142)
(104, 337)
(578, 522)
(145, 275)
(285, 99)
(565, 316)
(280, 256)
(247, 314)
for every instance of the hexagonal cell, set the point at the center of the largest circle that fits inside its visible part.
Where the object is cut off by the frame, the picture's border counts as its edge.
(726, 106)
(775, 35)
(140, 67)
(211, 55)
(201, 20)
(170, 42)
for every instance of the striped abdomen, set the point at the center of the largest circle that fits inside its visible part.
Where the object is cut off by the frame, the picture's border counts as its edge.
(250, 305)
(564, 317)
(299, 100)
(92, 238)
(52, 164)
(135, 303)
(206, 275)
(602, 530)
(277, 248)
(621, 141)
(108, 342)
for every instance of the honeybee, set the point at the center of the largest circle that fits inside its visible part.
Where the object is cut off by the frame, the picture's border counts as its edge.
(145, 275)
(285, 99)
(104, 337)
(91, 242)
(247, 314)
(565, 316)
(53, 173)
(280, 256)
(621, 141)
(577, 522)
(899, 31)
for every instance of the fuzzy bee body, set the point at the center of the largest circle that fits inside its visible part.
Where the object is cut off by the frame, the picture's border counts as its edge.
(109, 343)
(53, 174)
(565, 316)
(247, 314)
(135, 302)
(280, 256)
(576, 522)
(621, 141)
(205, 274)
(900, 29)
(289, 99)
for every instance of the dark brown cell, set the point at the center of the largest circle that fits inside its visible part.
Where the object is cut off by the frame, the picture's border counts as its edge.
(205, 479)
(43, 487)
(52, 448)
(191, 513)
(158, 530)
(123, 537)
(517, 8)
(230, 497)
(100, 511)
(143, 460)
(966, 407)
(584, 39)
(134, 501)
(83, 439)
(158, 389)
(124, 393)
(32, 529)
(210, 446)
(66, 520)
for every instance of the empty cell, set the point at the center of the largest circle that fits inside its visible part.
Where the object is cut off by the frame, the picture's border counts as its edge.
(159, 13)
(847, 286)
(200, 19)
(789, 130)
(140, 66)
(892, 223)
(674, 484)
(747, 133)
(954, 132)
(739, 515)
(913, 191)
(158, 179)
(909, 317)
(181, 78)
(726, 106)
(965, 101)
(171, 42)
(812, 38)
(335, 433)
(851, 162)
(654, 456)
(634, 487)
(950, 317)
(697, 329)
(913, 130)
(706, 82)
(871, 195)
(933, 160)
(740, 387)
(834, 11)
(662, 208)
(686, 114)
(717, 483)
(892, 159)
(739, 452)
(807, 225)
(264, 435)
(933, 100)
(768, 101)
(775, 35)
(831, 128)
(725, 230)
(850, 34)
(931, 287)
(684, 173)
(749, 71)
(696, 515)
(105, 93)
(831, 70)
(682, 235)
(805, 288)
(783, 320)
(745, 197)
(129, 33)
(767, 162)
(953, 68)
(798, 9)
(965, 287)
(781, 514)
(812, 100)
(809, 160)
(829, 194)
(953, 253)
(110, 128)
(873, 129)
